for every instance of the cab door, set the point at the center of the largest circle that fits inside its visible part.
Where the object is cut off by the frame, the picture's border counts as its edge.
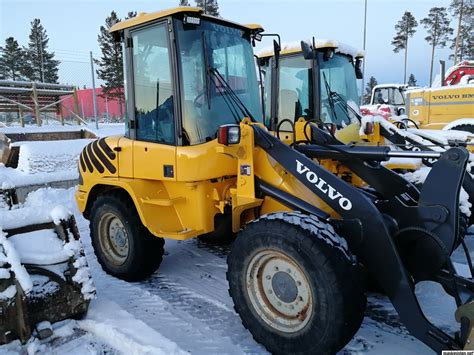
(154, 147)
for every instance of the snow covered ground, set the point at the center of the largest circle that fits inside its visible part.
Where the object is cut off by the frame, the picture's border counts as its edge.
(185, 307)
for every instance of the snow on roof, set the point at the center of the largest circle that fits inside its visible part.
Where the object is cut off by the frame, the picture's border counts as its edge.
(295, 46)
(394, 85)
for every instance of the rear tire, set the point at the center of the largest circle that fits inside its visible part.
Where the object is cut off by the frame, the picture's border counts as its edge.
(295, 285)
(123, 246)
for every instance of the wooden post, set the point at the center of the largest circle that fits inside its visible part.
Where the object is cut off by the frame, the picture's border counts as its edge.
(35, 101)
(20, 112)
(76, 106)
(59, 110)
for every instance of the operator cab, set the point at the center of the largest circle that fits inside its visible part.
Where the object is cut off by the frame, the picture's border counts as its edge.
(390, 94)
(186, 73)
(333, 70)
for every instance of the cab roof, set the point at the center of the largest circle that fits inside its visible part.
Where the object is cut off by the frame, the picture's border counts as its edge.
(295, 47)
(144, 17)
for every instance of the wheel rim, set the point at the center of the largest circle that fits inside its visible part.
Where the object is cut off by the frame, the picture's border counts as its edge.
(113, 238)
(279, 291)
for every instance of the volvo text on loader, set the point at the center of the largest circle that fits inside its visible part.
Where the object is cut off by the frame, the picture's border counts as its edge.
(196, 148)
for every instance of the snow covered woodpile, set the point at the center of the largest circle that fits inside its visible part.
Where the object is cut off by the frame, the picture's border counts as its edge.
(43, 270)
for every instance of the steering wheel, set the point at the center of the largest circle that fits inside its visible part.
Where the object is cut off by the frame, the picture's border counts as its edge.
(403, 123)
(198, 97)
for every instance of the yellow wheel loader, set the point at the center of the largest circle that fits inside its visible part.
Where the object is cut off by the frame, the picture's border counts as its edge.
(315, 82)
(196, 148)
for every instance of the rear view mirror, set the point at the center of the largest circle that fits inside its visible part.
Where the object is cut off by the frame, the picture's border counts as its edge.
(358, 68)
(308, 52)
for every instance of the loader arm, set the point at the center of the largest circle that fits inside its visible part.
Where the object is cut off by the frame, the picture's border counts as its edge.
(376, 250)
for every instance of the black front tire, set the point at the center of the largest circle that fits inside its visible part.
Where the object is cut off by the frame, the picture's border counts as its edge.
(145, 251)
(336, 291)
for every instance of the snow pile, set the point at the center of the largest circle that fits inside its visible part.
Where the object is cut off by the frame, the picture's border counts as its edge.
(83, 275)
(50, 156)
(44, 247)
(34, 211)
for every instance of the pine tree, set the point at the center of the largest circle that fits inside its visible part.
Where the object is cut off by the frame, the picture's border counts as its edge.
(463, 42)
(368, 89)
(411, 80)
(111, 61)
(210, 7)
(405, 29)
(184, 3)
(437, 25)
(41, 65)
(12, 60)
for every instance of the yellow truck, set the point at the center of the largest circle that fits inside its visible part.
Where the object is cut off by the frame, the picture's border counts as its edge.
(445, 107)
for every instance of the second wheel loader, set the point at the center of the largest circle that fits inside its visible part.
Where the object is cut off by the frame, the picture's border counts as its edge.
(196, 148)
(315, 82)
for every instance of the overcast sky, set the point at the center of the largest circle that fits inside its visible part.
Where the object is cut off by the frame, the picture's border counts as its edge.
(73, 26)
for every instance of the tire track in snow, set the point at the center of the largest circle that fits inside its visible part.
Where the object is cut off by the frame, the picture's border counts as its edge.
(197, 323)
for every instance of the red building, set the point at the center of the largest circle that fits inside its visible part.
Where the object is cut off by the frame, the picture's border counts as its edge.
(106, 107)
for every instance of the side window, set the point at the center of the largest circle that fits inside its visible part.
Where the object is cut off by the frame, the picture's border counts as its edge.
(381, 96)
(152, 84)
(295, 85)
(398, 97)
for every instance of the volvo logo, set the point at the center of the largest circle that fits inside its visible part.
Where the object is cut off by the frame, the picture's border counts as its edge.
(323, 186)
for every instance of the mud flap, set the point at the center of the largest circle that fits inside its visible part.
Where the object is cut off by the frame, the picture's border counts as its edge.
(465, 316)
(60, 290)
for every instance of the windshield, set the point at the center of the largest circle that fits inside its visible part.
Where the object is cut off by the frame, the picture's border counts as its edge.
(206, 103)
(340, 76)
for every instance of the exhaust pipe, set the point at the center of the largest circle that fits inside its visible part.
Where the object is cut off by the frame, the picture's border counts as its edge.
(442, 65)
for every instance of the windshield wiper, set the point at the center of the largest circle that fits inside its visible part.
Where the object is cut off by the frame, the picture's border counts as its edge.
(237, 102)
(336, 98)
(207, 70)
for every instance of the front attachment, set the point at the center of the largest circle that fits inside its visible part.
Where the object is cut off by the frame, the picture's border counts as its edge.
(44, 277)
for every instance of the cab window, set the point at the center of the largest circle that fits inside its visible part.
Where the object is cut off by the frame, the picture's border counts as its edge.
(213, 60)
(152, 85)
(294, 89)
